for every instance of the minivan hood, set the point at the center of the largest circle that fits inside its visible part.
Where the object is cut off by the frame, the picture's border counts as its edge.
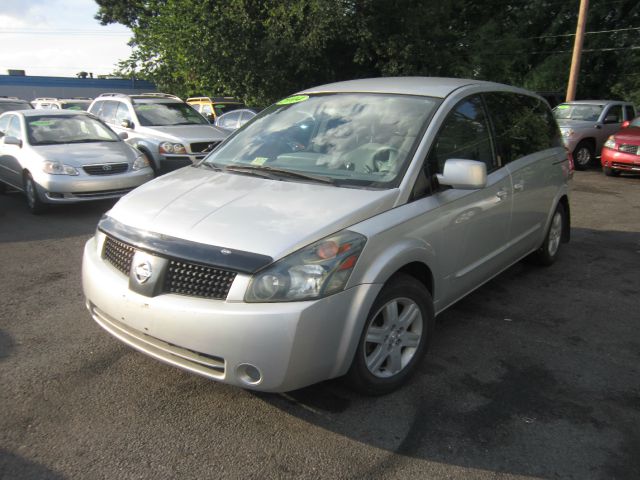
(190, 133)
(251, 214)
(79, 154)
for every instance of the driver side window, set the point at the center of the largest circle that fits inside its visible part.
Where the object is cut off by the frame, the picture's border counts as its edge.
(464, 135)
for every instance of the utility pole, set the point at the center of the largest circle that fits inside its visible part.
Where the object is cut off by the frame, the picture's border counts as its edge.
(577, 50)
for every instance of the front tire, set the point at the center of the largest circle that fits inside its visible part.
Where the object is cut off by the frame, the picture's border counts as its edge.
(35, 204)
(583, 155)
(394, 339)
(548, 253)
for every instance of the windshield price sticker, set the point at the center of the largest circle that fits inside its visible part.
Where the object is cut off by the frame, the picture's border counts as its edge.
(259, 160)
(563, 107)
(294, 99)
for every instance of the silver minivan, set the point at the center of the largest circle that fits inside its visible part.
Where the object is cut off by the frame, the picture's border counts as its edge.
(322, 239)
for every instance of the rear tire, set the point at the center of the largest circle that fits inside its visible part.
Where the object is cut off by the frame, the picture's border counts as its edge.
(549, 250)
(35, 204)
(394, 339)
(583, 155)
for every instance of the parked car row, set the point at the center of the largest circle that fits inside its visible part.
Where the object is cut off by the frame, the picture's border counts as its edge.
(590, 127)
(58, 153)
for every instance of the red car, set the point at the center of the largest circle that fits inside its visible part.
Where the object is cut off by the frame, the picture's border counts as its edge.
(621, 152)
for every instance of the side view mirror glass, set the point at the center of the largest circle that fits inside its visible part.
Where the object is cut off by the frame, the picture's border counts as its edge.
(123, 135)
(611, 119)
(126, 124)
(12, 141)
(463, 174)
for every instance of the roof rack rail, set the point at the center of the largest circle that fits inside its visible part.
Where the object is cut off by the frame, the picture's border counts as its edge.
(199, 99)
(113, 94)
(156, 94)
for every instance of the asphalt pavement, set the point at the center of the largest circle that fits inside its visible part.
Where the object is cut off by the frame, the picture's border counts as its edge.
(534, 375)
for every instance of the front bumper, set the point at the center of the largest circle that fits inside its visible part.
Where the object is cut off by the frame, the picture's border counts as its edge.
(81, 188)
(292, 344)
(627, 162)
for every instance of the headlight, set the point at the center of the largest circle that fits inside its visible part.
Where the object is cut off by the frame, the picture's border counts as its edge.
(57, 168)
(168, 147)
(567, 132)
(318, 270)
(610, 143)
(140, 162)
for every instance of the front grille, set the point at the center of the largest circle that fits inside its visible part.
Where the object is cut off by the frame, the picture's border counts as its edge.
(106, 168)
(203, 146)
(118, 254)
(182, 278)
(198, 280)
(634, 149)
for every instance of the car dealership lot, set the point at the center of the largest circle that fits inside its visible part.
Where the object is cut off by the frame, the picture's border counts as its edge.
(536, 374)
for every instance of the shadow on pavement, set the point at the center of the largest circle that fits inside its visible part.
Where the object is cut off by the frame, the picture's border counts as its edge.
(17, 224)
(13, 466)
(535, 373)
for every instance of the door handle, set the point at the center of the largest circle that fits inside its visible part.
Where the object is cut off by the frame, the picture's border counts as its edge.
(518, 186)
(502, 194)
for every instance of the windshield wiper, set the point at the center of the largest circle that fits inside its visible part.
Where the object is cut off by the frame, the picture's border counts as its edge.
(211, 166)
(270, 172)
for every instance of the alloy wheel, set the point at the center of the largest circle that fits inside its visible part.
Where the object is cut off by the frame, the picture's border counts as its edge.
(392, 337)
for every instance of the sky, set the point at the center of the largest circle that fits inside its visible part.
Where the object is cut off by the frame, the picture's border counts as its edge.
(59, 38)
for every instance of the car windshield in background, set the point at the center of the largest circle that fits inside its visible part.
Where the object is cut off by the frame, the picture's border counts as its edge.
(76, 105)
(223, 108)
(351, 139)
(59, 129)
(160, 114)
(588, 113)
(9, 106)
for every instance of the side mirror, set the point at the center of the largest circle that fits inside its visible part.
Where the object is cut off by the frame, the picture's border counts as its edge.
(611, 119)
(126, 124)
(12, 141)
(123, 135)
(464, 174)
(625, 124)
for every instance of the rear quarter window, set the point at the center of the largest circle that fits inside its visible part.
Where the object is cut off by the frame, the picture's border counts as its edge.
(523, 125)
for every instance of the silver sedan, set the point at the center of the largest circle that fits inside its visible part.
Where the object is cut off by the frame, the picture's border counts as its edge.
(66, 157)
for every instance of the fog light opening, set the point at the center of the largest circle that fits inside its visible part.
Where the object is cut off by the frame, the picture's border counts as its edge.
(249, 374)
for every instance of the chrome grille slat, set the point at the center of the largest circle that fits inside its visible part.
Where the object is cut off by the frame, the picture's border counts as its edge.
(202, 146)
(634, 149)
(106, 168)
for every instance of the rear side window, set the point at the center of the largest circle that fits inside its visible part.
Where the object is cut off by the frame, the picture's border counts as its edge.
(629, 112)
(108, 111)
(523, 125)
(464, 135)
(95, 107)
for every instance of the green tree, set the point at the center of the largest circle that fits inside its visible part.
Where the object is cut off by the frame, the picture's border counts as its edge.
(262, 50)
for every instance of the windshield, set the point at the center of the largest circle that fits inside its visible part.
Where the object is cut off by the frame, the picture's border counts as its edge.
(352, 139)
(59, 129)
(8, 106)
(222, 108)
(575, 111)
(166, 114)
(76, 105)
